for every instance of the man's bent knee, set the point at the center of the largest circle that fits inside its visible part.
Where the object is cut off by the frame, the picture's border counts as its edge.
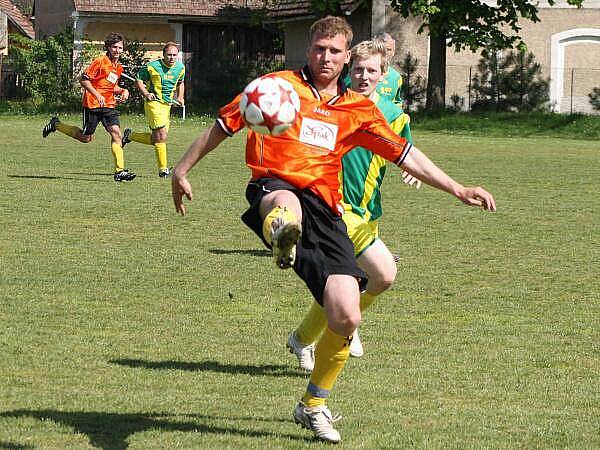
(281, 198)
(344, 325)
(381, 282)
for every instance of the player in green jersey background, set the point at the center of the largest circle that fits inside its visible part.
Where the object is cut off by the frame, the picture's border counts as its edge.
(390, 84)
(361, 177)
(161, 84)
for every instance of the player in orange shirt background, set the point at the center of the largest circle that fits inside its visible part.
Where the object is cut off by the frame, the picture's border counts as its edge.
(100, 96)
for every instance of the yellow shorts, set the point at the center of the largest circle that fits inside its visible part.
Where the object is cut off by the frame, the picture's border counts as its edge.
(362, 233)
(157, 114)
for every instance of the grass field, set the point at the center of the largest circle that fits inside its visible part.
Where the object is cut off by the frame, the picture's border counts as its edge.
(125, 326)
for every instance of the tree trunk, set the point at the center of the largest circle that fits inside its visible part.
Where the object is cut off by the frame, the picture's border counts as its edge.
(436, 75)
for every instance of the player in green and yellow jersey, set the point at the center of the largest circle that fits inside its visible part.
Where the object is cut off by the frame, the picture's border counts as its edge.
(360, 185)
(161, 84)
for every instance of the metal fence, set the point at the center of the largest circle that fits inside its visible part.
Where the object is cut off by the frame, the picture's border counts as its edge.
(12, 86)
(568, 88)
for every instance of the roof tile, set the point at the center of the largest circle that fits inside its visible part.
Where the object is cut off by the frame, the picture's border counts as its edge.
(17, 18)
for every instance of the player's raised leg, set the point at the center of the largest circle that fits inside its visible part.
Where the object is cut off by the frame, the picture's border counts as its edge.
(282, 218)
(69, 130)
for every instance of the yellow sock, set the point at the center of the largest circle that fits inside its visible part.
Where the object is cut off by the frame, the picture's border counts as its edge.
(160, 149)
(142, 138)
(276, 213)
(117, 152)
(331, 355)
(69, 130)
(366, 300)
(313, 325)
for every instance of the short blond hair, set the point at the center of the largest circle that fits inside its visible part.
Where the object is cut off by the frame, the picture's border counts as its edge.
(331, 26)
(366, 49)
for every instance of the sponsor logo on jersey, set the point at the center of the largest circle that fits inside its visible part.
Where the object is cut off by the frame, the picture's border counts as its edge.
(316, 132)
(112, 78)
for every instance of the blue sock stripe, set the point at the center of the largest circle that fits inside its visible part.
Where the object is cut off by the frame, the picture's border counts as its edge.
(316, 391)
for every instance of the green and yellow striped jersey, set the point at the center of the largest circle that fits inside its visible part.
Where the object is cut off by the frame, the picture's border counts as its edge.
(162, 80)
(362, 171)
(390, 86)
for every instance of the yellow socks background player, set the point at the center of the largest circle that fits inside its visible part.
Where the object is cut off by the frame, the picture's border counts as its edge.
(157, 115)
(69, 130)
(118, 157)
(142, 138)
(160, 150)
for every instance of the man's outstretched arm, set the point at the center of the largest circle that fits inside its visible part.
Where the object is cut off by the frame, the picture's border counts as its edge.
(203, 144)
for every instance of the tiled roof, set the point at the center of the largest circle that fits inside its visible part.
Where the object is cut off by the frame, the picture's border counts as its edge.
(17, 18)
(199, 8)
(301, 8)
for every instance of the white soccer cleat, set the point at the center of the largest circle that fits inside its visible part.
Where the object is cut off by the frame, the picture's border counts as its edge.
(304, 353)
(319, 420)
(356, 347)
(284, 238)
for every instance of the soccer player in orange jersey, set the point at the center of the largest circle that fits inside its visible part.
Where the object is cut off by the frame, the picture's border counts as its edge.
(100, 95)
(295, 202)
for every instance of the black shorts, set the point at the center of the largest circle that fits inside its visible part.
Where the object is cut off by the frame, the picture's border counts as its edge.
(91, 118)
(324, 249)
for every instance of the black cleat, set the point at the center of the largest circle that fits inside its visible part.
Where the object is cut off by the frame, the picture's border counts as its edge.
(50, 127)
(126, 137)
(164, 173)
(124, 175)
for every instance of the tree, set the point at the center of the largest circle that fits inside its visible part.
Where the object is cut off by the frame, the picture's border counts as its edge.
(486, 84)
(46, 68)
(413, 86)
(462, 24)
(512, 82)
(525, 88)
(595, 98)
(133, 59)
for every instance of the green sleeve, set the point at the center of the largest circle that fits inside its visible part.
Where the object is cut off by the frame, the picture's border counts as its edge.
(143, 74)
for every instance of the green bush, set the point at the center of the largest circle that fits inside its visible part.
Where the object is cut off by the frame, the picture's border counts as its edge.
(133, 60)
(595, 98)
(513, 82)
(51, 73)
(46, 68)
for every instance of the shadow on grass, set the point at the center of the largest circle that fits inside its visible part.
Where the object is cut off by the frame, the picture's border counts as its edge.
(13, 446)
(211, 366)
(110, 431)
(240, 251)
(54, 177)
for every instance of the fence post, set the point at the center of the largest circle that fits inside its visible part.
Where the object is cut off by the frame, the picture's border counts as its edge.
(572, 76)
(1, 76)
(470, 78)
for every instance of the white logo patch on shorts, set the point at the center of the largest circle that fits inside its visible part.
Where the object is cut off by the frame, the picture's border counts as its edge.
(316, 132)
(112, 78)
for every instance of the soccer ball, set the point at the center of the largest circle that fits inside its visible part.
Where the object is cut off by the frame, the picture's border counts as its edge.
(269, 105)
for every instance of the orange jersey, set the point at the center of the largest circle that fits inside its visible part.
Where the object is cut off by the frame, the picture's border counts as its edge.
(308, 155)
(104, 76)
